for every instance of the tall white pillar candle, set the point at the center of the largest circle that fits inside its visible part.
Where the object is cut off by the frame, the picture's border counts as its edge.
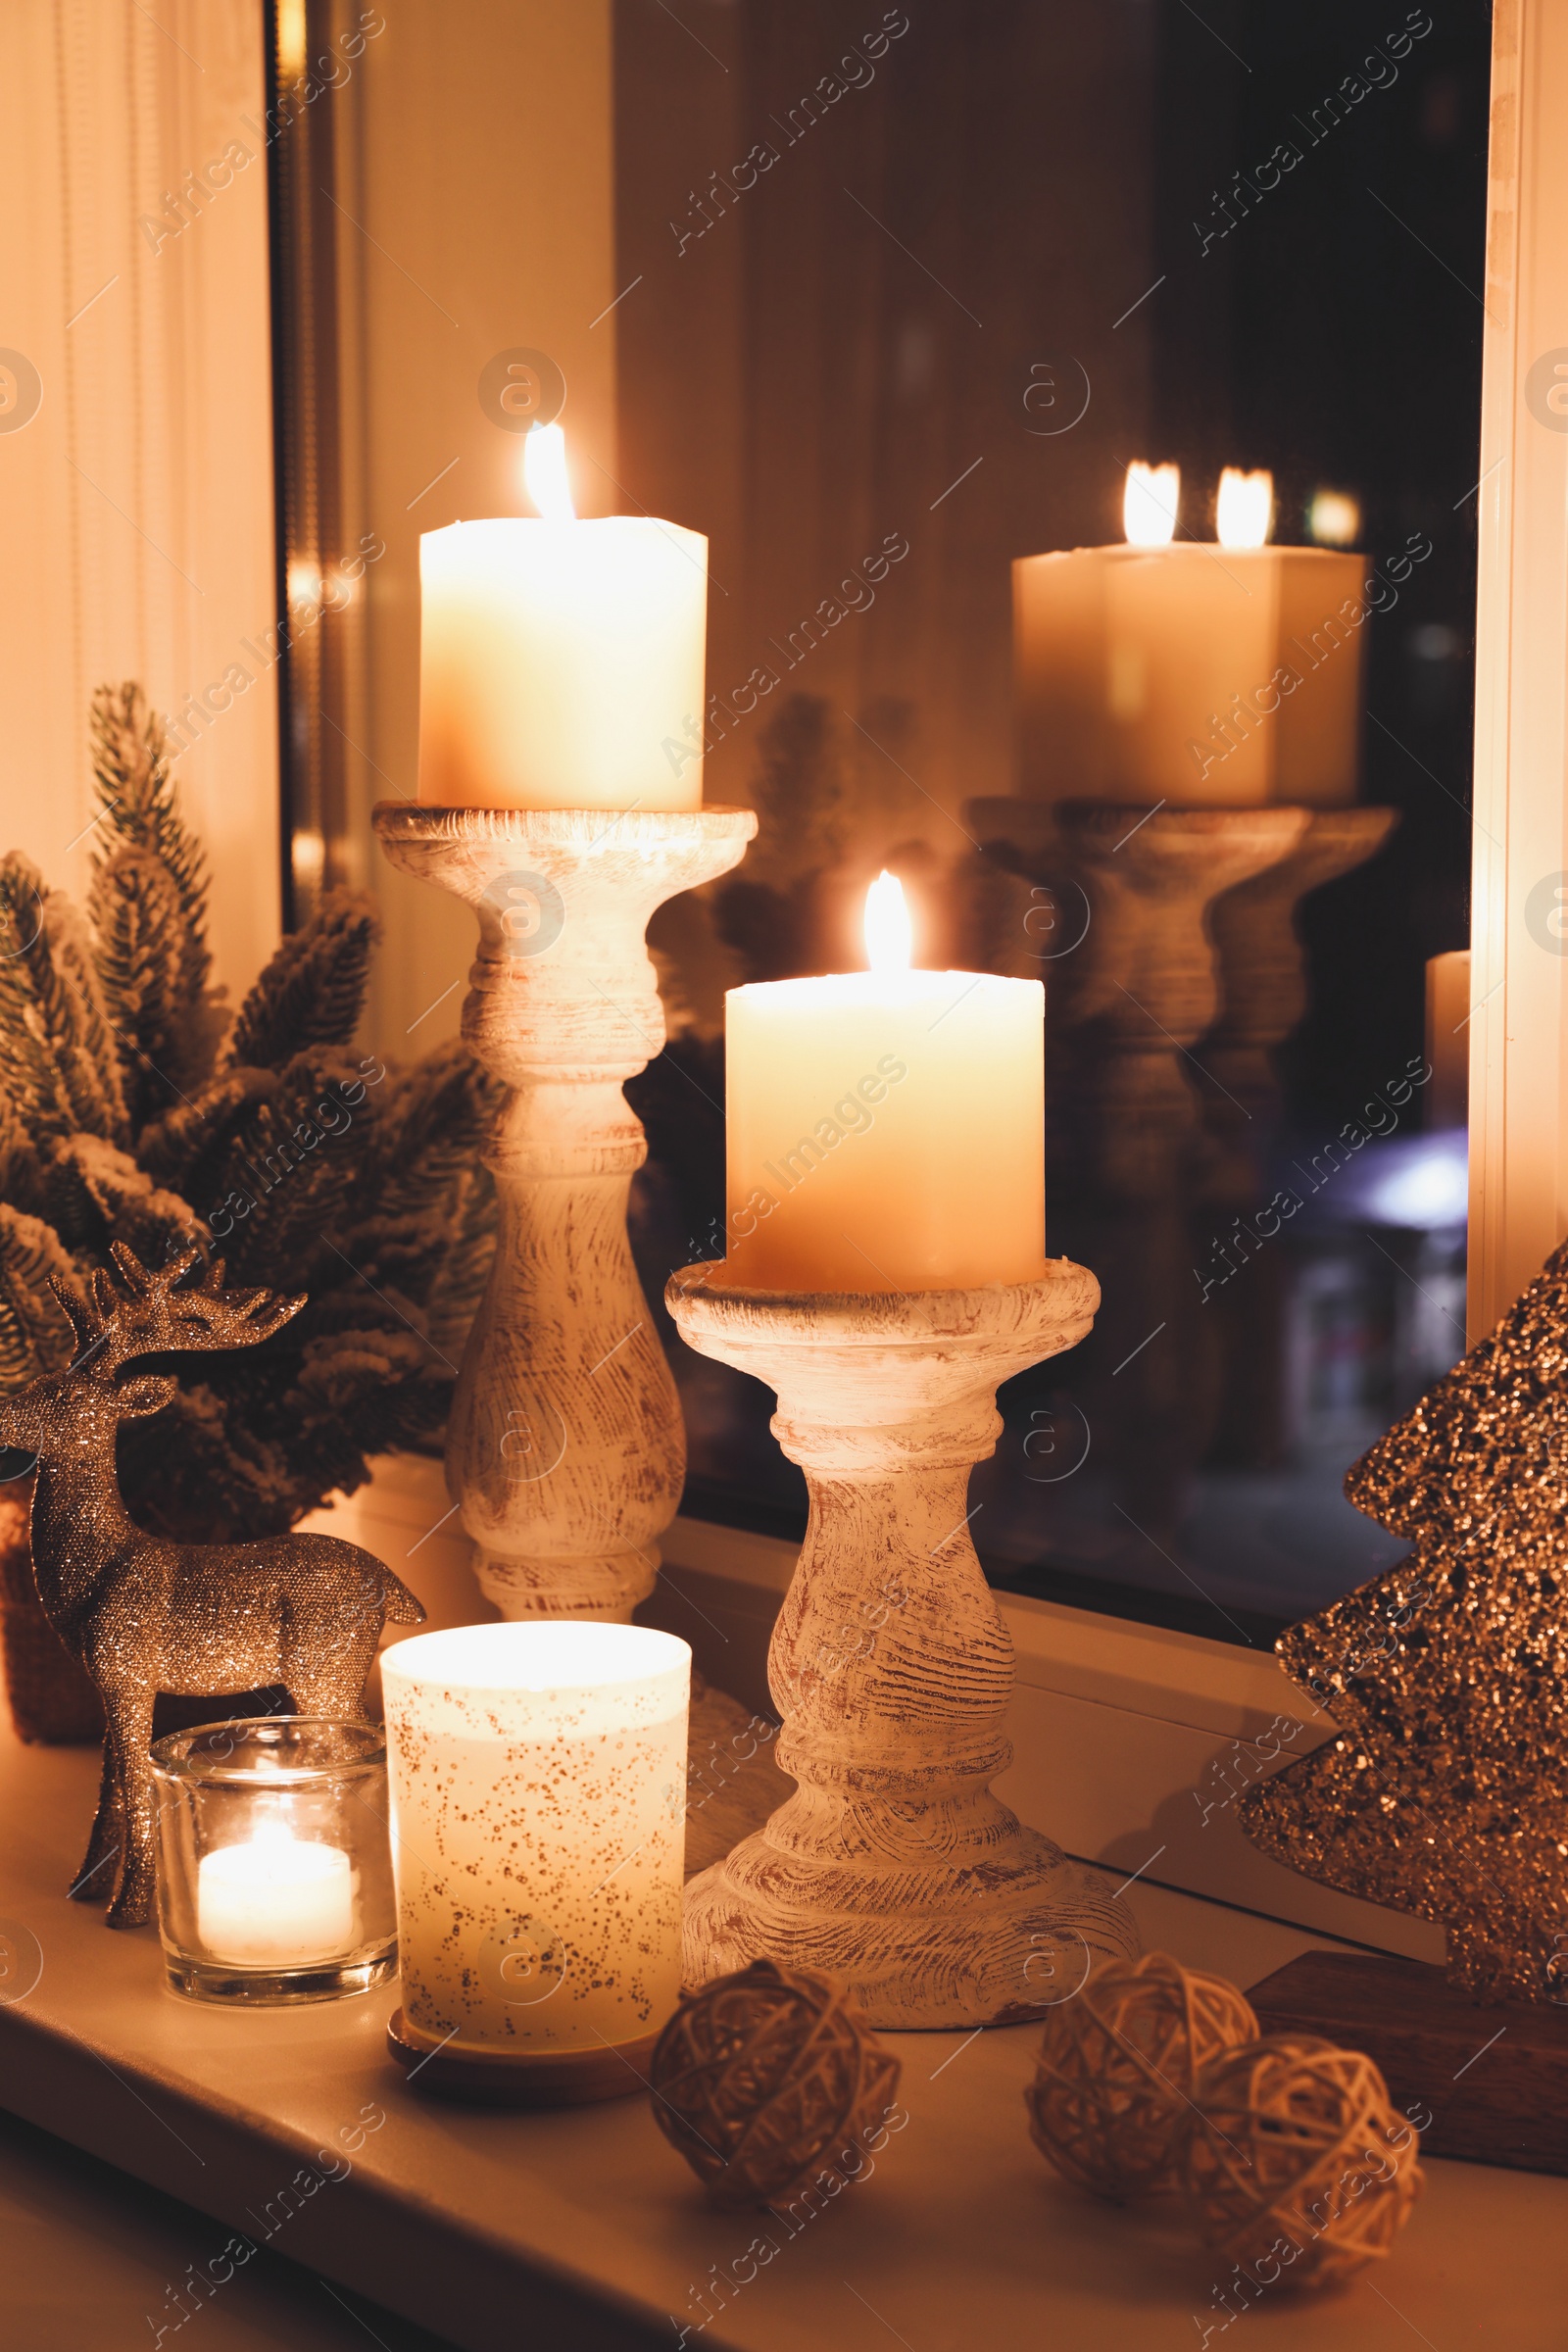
(561, 664)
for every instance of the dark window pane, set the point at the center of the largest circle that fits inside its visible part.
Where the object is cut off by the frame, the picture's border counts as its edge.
(933, 292)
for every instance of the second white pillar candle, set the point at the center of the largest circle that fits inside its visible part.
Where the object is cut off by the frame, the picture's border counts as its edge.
(886, 1131)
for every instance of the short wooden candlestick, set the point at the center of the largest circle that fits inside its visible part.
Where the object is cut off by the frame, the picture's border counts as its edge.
(894, 1865)
(566, 1450)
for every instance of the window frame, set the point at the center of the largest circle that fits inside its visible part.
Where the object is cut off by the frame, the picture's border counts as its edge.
(1519, 985)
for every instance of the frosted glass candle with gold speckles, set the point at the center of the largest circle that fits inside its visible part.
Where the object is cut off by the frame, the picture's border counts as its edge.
(538, 1785)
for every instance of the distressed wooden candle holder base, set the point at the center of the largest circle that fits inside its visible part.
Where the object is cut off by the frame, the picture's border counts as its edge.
(566, 1450)
(894, 1865)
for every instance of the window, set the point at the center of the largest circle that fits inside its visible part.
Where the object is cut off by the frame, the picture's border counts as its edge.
(941, 311)
(882, 306)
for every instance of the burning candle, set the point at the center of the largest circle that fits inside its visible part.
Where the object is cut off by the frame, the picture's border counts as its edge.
(1448, 1103)
(538, 1781)
(886, 1128)
(561, 662)
(275, 1901)
(1150, 498)
(1182, 673)
(1244, 507)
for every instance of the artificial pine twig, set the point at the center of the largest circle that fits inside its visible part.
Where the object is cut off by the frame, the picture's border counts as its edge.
(124, 1117)
(313, 992)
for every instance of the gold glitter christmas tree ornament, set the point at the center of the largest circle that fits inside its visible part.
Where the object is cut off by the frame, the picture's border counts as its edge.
(1445, 1790)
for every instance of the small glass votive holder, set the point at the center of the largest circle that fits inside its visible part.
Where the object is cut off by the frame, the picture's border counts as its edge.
(275, 1867)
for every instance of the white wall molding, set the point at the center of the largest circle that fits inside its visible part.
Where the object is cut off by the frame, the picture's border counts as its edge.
(1519, 964)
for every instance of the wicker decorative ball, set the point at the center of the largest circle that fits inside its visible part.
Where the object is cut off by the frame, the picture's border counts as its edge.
(768, 2079)
(1117, 2066)
(1295, 2164)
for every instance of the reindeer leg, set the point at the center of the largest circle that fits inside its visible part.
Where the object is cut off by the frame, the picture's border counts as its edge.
(336, 1688)
(131, 1721)
(93, 1881)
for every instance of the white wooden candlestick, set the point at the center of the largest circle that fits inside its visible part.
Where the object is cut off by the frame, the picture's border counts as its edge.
(893, 1865)
(566, 1450)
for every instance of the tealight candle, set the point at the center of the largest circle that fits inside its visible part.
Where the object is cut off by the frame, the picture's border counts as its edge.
(275, 1901)
(561, 662)
(538, 1782)
(886, 1128)
(274, 1878)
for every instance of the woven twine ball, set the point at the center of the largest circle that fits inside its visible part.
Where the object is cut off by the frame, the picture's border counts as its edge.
(768, 2078)
(1117, 2066)
(1297, 2160)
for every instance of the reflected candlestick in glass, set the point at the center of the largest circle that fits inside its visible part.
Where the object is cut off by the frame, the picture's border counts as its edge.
(1177, 674)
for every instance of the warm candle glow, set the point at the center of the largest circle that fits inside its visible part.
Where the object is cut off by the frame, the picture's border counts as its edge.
(889, 939)
(1245, 507)
(291, 38)
(303, 582)
(538, 1782)
(1149, 504)
(882, 1128)
(545, 476)
(1333, 518)
(275, 1901)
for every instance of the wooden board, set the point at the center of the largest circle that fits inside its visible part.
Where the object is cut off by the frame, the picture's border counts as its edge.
(1490, 2084)
(582, 2228)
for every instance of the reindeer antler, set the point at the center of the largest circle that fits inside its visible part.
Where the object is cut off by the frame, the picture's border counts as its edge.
(153, 1314)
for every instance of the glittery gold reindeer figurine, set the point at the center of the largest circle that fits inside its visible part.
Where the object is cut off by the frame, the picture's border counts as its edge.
(144, 1614)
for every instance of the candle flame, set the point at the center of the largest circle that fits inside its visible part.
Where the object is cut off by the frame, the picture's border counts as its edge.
(889, 940)
(291, 38)
(1149, 504)
(544, 473)
(305, 583)
(1245, 507)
